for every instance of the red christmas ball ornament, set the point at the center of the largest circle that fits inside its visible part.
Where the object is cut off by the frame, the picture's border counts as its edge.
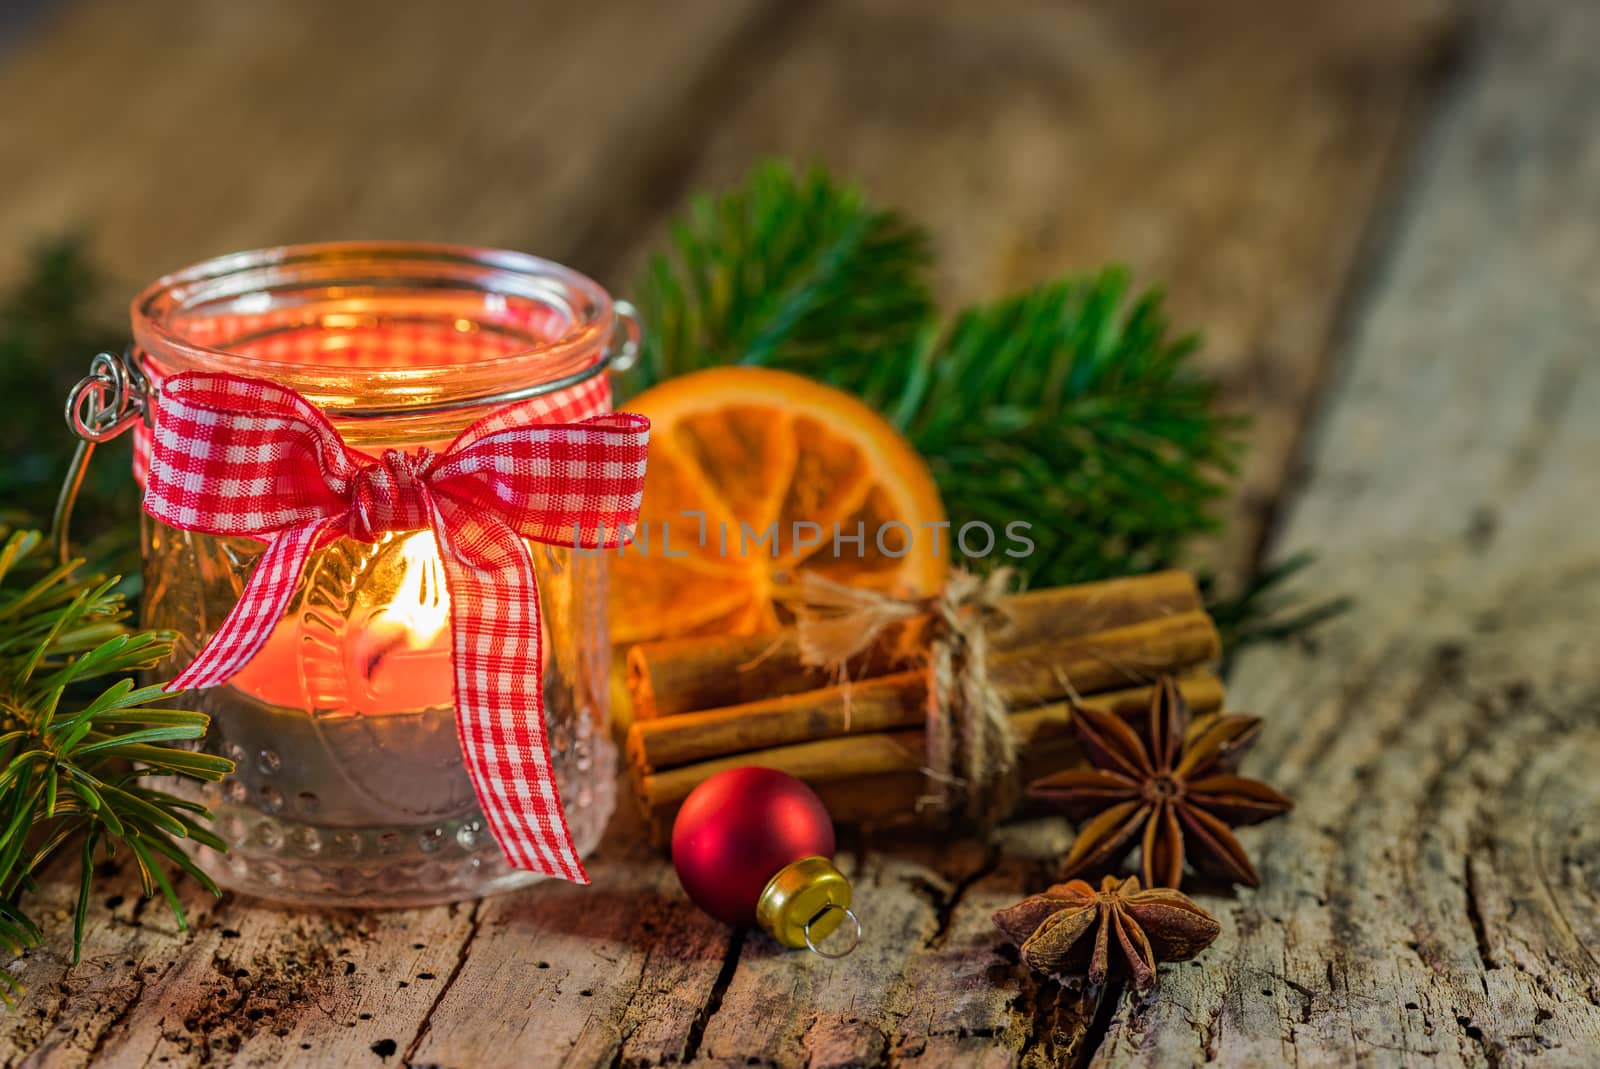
(754, 846)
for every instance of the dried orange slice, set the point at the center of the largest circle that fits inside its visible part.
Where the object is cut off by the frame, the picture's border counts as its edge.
(755, 476)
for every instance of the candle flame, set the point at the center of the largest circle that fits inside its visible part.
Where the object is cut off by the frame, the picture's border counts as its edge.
(421, 604)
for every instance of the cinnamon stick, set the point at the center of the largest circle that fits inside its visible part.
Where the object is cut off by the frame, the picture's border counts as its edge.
(683, 675)
(878, 777)
(1025, 676)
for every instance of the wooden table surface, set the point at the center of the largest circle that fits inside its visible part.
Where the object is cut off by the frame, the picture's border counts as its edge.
(1384, 214)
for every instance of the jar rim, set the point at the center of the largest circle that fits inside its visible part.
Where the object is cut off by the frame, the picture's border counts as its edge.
(245, 276)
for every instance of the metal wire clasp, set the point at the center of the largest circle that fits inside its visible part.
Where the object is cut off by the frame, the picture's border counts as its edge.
(111, 398)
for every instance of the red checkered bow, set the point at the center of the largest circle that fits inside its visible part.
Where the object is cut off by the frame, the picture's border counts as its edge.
(237, 456)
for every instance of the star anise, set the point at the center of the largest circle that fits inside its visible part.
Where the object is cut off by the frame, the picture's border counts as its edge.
(1168, 791)
(1072, 928)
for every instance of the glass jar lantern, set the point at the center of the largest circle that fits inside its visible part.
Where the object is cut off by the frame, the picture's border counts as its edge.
(350, 787)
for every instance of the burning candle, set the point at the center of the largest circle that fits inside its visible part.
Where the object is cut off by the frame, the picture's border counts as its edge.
(394, 658)
(351, 786)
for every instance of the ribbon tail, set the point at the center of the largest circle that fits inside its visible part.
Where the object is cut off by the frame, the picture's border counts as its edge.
(499, 690)
(265, 598)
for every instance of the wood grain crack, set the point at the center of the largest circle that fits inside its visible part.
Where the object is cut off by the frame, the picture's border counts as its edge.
(713, 1003)
(462, 953)
(1475, 917)
(116, 1022)
(945, 903)
(1099, 1027)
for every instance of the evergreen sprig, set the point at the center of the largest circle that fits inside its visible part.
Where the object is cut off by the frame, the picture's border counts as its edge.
(1264, 611)
(74, 764)
(1071, 407)
(791, 271)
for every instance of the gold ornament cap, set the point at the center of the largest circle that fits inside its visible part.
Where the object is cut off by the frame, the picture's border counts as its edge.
(804, 903)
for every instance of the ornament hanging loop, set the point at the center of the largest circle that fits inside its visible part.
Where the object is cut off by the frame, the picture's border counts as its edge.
(111, 398)
(855, 939)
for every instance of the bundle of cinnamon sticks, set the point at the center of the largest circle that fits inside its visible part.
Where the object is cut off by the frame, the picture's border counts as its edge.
(702, 705)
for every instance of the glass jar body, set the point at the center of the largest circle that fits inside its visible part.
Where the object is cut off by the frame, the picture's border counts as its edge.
(350, 787)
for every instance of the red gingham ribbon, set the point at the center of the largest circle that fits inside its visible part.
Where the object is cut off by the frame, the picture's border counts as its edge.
(237, 456)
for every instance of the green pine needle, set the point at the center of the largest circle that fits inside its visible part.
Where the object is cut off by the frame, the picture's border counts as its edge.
(791, 271)
(1265, 612)
(73, 760)
(1070, 407)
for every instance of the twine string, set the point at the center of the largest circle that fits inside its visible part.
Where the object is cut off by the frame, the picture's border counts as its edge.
(971, 750)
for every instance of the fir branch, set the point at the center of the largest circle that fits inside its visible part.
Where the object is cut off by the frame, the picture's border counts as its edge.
(1072, 408)
(1264, 612)
(78, 770)
(1069, 407)
(791, 271)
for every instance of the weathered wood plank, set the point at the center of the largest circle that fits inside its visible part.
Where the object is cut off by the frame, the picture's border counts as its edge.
(677, 987)
(844, 1012)
(1432, 900)
(174, 130)
(330, 983)
(1034, 138)
(624, 970)
(246, 976)
(630, 961)
(1232, 152)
